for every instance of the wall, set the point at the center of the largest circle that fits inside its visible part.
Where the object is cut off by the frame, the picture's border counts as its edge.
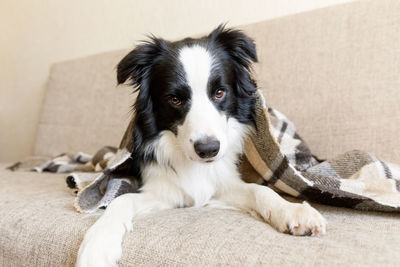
(34, 34)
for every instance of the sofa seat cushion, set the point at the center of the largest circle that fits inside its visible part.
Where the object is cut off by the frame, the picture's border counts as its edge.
(39, 227)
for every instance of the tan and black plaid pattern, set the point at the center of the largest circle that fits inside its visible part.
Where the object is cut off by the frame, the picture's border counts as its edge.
(355, 179)
(275, 155)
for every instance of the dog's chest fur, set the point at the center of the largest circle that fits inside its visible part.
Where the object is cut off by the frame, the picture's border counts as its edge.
(188, 183)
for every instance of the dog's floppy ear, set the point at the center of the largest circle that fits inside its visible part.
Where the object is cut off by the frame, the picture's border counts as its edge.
(136, 65)
(240, 47)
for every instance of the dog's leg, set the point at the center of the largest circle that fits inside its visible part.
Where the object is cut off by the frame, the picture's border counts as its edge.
(102, 243)
(285, 216)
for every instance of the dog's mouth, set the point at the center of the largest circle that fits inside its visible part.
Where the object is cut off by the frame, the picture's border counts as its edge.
(209, 160)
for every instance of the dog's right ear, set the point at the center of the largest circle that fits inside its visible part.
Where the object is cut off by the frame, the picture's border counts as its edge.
(136, 65)
(240, 47)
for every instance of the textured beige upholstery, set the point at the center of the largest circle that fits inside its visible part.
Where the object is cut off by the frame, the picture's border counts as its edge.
(338, 66)
(40, 228)
(83, 109)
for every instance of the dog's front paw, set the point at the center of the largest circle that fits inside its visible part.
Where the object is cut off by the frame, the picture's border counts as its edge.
(299, 219)
(99, 249)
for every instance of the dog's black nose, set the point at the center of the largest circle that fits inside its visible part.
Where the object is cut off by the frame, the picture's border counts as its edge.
(207, 147)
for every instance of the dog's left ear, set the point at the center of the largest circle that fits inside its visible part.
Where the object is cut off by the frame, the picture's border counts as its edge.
(240, 47)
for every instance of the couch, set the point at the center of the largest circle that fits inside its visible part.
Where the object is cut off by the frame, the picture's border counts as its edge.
(338, 66)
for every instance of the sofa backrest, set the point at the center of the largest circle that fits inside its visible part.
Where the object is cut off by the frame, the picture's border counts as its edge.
(334, 72)
(83, 108)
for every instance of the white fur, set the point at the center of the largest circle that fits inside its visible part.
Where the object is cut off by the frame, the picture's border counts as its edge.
(179, 178)
(203, 119)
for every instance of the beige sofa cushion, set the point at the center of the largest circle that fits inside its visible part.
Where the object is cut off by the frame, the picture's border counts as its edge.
(39, 227)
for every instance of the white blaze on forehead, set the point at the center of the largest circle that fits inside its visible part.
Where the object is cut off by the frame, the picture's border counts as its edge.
(203, 119)
(197, 63)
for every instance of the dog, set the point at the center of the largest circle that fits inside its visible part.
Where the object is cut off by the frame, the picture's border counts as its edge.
(195, 106)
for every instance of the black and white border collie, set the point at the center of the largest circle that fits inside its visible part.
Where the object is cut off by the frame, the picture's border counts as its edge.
(194, 108)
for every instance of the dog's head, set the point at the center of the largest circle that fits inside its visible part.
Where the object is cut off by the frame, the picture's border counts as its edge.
(195, 88)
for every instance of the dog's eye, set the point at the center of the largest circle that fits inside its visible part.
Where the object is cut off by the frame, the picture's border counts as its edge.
(175, 101)
(220, 93)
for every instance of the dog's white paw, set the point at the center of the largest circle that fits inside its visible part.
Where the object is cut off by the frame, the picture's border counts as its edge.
(299, 219)
(99, 248)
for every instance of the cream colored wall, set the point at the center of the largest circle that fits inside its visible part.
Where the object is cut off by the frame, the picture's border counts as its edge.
(34, 34)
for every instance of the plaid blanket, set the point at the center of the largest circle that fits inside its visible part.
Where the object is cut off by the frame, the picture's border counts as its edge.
(274, 156)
